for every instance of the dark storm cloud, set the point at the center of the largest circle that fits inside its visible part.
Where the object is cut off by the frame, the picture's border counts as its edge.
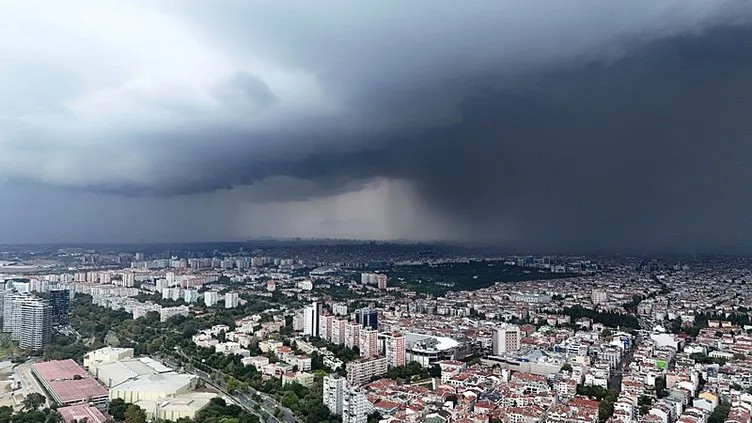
(651, 152)
(545, 125)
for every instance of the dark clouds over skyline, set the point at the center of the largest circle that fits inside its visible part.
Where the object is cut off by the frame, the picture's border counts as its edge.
(546, 126)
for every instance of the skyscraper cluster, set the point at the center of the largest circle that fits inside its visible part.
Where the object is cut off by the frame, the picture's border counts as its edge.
(378, 279)
(29, 318)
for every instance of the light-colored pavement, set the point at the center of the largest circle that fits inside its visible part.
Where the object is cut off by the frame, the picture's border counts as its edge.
(29, 383)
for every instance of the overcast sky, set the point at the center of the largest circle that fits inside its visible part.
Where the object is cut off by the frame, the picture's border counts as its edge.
(577, 125)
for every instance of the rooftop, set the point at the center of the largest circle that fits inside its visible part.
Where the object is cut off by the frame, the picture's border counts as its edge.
(81, 412)
(156, 382)
(81, 390)
(59, 370)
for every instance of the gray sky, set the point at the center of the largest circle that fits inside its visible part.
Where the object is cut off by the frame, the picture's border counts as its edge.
(544, 125)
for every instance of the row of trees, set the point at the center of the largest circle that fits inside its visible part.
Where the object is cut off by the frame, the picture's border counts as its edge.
(303, 401)
(413, 371)
(29, 416)
(438, 279)
(342, 352)
(604, 317)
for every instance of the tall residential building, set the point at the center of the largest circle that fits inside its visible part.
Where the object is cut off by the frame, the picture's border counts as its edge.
(12, 313)
(325, 326)
(338, 331)
(190, 296)
(352, 334)
(311, 315)
(60, 302)
(35, 325)
(370, 278)
(232, 299)
(598, 296)
(128, 279)
(355, 406)
(361, 371)
(367, 318)
(394, 349)
(381, 281)
(297, 321)
(211, 298)
(334, 392)
(339, 309)
(506, 338)
(368, 342)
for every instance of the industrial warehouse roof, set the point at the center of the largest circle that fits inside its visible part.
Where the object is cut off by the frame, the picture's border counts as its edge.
(81, 412)
(59, 369)
(68, 382)
(108, 350)
(156, 383)
(182, 403)
(117, 372)
(77, 390)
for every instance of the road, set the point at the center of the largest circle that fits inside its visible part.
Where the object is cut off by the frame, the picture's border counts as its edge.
(267, 405)
(29, 383)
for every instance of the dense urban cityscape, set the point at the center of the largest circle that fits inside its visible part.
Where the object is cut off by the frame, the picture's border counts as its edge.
(353, 211)
(371, 332)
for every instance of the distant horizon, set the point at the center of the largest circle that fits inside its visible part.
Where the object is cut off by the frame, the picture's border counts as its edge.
(313, 242)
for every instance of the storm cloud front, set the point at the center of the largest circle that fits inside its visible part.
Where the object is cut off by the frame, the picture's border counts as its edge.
(574, 126)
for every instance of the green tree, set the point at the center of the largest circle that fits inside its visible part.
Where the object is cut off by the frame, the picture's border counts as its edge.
(232, 385)
(117, 409)
(720, 414)
(606, 334)
(290, 400)
(33, 401)
(660, 387)
(374, 417)
(134, 414)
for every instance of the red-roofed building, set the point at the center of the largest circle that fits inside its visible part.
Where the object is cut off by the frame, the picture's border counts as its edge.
(77, 391)
(59, 369)
(386, 407)
(484, 407)
(69, 384)
(80, 412)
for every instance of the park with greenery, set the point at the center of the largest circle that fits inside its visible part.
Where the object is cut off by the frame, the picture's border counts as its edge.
(438, 279)
(99, 326)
